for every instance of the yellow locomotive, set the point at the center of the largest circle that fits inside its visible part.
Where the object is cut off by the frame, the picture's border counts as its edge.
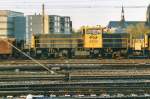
(91, 42)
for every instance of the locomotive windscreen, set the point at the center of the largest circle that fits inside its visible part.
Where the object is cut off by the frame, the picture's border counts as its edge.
(93, 38)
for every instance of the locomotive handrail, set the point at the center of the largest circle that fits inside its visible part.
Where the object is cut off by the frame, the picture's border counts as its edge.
(58, 38)
(60, 43)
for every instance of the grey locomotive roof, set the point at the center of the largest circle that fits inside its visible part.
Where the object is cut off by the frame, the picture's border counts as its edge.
(115, 24)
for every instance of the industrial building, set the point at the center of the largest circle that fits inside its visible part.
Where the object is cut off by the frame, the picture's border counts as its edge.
(12, 24)
(16, 25)
(34, 25)
(48, 24)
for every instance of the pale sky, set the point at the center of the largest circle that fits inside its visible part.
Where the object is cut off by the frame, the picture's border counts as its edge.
(82, 12)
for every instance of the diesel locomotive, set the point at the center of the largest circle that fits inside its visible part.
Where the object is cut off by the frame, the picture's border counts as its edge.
(92, 42)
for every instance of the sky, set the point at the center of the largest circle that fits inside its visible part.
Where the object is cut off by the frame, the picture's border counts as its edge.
(82, 12)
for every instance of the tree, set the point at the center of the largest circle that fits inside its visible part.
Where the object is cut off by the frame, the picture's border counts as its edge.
(138, 30)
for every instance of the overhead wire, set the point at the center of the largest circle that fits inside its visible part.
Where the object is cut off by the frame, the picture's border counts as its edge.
(59, 4)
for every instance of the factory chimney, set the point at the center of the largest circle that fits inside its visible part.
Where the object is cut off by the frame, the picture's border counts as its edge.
(43, 18)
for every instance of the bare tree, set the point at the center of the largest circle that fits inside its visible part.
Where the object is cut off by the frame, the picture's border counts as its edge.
(138, 30)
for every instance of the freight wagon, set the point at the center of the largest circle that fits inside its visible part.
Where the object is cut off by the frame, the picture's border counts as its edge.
(6, 49)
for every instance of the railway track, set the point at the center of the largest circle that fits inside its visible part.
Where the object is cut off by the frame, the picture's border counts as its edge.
(72, 78)
(76, 75)
(84, 84)
(94, 76)
(97, 87)
(72, 67)
(80, 61)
